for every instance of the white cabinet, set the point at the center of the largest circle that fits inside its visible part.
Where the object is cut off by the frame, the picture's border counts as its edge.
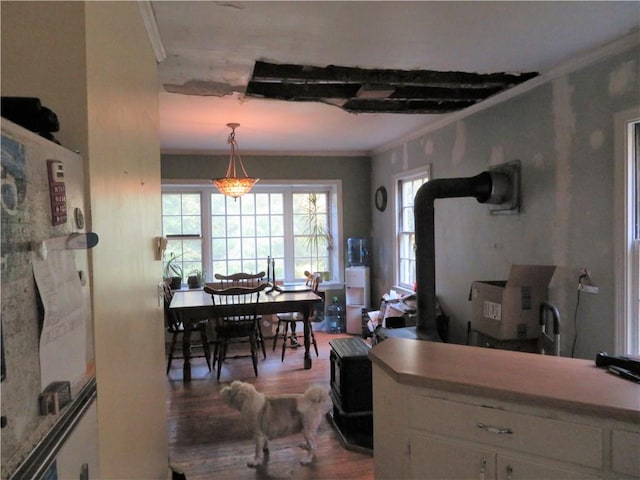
(446, 411)
(357, 296)
(452, 439)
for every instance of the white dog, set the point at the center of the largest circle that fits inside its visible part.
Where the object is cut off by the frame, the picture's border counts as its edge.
(272, 416)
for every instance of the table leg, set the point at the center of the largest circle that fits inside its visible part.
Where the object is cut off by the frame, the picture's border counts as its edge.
(186, 351)
(307, 341)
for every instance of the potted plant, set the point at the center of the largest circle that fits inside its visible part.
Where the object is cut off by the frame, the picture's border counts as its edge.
(173, 271)
(195, 279)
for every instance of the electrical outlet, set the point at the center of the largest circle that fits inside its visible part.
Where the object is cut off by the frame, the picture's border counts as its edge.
(587, 288)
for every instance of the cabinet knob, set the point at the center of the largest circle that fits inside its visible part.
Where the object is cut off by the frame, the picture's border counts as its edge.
(509, 472)
(483, 465)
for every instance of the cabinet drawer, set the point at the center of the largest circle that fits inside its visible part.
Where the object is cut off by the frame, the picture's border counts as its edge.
(561, 440)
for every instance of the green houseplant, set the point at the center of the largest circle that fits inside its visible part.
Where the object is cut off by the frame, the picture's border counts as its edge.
(173, 271)
(316, 230)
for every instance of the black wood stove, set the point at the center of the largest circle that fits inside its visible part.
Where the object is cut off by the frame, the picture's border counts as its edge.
(351, 392)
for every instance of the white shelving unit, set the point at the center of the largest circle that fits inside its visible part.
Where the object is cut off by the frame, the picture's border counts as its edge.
(357, 296)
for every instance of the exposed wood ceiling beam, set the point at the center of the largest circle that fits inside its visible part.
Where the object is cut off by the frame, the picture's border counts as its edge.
(378, 90)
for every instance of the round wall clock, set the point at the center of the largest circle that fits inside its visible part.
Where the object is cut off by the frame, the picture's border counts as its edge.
(381, 199)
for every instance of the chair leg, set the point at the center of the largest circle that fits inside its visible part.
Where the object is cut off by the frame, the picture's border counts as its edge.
(313, 339)
(205, 347)
(253, 340)
(216, 351)
(221, 354)
(284, 340)
(174, 338)
(261, 339)
(275, 337)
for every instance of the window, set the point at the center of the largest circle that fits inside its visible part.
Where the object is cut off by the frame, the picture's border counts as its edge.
(407, 186)
(247, 231)
(294, 225)
(627, 237)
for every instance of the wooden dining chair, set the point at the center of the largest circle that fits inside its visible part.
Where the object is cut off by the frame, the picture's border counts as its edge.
(236, 322)
(243, 279)
(290, 320)
(175, 327)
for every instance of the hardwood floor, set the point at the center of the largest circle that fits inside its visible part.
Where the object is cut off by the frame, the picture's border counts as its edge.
(207, 439)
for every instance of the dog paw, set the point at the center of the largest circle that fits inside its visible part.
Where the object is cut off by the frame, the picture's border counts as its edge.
(254, 463)
(304, 446)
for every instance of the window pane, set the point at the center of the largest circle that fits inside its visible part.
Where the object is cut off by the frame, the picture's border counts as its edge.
(248, 226)
(249, 248)
(276, 202)
(191, 225)
(277, 225)
(171, 204)
(218, 227)
(248, 204)
(277, 247)
(171, 225)
(191, 204)
(233, 226)
(262, 226)
(405, 230)
(219, 249)
(218, 204)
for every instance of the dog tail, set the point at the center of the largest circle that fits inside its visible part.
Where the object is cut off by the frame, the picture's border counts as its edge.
(316, 394)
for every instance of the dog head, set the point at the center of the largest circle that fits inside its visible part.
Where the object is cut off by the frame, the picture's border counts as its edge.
(236, 394)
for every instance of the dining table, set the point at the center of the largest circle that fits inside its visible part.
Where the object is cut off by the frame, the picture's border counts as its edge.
(193, 306)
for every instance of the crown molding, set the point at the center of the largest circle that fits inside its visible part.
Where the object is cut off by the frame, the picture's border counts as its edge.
(269, 153)
(151, 27)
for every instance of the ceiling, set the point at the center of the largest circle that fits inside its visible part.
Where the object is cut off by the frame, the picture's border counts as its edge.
(208, 51)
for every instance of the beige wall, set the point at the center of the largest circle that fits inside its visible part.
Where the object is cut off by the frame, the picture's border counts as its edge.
(43, 55)
(568, 190)
(124, 176)
(93, 65)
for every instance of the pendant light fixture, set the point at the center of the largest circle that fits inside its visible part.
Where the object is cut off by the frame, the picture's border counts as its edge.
(231, 185)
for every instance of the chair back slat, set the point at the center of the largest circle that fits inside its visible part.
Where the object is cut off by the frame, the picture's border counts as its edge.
(240, 279)
(243, 300)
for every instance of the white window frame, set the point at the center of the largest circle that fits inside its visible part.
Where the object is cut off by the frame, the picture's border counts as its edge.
(396, 206)
(627, 262)
(335, 192)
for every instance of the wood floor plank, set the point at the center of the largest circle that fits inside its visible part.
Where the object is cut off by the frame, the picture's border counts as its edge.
(207, 439)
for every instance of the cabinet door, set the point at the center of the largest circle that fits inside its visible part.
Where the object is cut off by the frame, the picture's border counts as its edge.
(437, 458)
(513, 468)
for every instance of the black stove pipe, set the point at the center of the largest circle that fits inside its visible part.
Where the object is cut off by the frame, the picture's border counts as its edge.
(487, 187)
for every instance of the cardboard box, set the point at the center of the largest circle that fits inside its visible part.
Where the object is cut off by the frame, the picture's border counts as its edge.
(510, 309)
